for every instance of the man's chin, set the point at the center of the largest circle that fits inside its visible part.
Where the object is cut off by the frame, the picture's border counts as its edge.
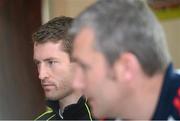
(50, 97)
(100, 114)
(97, 114)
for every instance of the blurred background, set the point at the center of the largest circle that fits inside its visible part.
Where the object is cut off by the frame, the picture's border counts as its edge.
(21, 96)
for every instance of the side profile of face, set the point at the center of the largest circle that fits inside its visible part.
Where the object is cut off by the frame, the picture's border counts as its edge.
(97, 83)
(54, 68)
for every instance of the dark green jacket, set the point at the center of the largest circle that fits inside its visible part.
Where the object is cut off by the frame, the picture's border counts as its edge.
(78, 111)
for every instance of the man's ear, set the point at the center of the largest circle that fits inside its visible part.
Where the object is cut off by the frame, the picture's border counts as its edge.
(126, 67)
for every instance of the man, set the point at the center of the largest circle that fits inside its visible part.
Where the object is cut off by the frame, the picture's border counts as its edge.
(52, 55)
(121, 49)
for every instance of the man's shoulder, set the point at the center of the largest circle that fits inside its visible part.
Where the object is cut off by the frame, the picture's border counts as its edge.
(168, 103)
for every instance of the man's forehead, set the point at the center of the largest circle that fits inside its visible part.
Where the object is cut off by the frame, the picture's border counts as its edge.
(49, 42)
(50, 45)
(84, 40)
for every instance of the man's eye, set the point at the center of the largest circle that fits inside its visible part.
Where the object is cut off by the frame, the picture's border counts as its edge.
(51, 62)
(85, 67)
(36, 62)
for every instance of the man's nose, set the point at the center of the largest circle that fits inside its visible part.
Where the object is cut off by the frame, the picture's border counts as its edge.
(78, 81)
(42, 70)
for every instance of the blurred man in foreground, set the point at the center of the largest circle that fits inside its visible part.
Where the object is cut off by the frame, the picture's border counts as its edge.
(122, 51)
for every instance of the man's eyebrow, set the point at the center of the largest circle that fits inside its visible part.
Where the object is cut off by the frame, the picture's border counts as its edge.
(47, 59)
(35, 61)
(80, 63)
(74, 59)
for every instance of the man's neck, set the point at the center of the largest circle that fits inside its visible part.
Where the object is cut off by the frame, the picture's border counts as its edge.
(71, 99)
(150, 95)
(146, 96)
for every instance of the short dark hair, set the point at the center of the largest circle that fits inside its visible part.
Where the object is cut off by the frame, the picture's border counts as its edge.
(55, 30)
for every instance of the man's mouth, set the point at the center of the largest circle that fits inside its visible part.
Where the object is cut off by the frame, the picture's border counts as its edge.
(48, 86)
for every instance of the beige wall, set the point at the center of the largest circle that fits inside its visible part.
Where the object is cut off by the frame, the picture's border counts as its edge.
(74, 7)
(53, 8)
(172, 30)
(68, 7)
